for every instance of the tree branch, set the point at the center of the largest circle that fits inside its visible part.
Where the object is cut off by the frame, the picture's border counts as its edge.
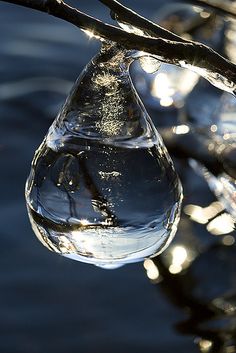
(168, 47)
(123, 14)
(202, 56)
(209, 64)
(195, 144)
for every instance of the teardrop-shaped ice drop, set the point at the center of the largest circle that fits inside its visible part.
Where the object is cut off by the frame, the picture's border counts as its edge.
(102, 187)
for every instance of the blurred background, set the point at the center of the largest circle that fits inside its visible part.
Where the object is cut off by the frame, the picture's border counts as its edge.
(184, 300)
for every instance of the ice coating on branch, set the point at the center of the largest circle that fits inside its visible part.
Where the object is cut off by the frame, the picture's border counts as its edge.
(214, 78)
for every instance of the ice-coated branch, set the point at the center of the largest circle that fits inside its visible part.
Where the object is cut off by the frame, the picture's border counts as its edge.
(126, 15)
(209, 64)
(195, 144)
(168, 47)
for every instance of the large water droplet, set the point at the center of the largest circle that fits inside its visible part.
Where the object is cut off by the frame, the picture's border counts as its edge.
(102, 187)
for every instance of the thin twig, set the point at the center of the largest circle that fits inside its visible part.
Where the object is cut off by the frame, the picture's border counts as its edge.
(126, 15)
(178, 53)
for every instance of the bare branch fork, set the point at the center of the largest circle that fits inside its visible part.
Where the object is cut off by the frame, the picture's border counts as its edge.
(165, 45)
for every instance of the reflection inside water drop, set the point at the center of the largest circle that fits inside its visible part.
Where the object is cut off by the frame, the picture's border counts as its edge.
(98, 206)
(102, 187)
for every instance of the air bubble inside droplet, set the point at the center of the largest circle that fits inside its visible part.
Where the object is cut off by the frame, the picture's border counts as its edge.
(102, 187)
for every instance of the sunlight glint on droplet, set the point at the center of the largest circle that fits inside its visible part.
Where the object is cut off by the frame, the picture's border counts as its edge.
(152, 270)
(222, 224)
(179, 256)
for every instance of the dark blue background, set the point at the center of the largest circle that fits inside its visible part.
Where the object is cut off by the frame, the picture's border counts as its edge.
(49, 303)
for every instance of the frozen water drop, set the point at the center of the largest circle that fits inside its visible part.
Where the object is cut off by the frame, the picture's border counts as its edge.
(149, 64)
(222, 132)
(102, 187)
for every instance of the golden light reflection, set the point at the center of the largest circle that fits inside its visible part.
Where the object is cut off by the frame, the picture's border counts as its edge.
(172, 84)
(228, 240)
(226, 136)
(181, 129)
(213, 128)
(196, 213)
(202, 215)
(197, 9)
(65, 245)
(149, 64)
(211, 146)
(161, 87)
(131, 29)
(222, 224)
(83, 243)
(90, 34)
(84, 222)
(179, 257)
(204, 14)
(166, 101)
(230, 39)
(152, 270)
(224, 305)
(205, 345)
(230, 349)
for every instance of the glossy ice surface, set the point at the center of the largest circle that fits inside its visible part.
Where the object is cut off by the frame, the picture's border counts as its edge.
(102, 187)
(223, 135)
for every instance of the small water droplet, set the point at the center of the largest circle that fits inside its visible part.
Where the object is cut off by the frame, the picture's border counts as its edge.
(149, 64)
